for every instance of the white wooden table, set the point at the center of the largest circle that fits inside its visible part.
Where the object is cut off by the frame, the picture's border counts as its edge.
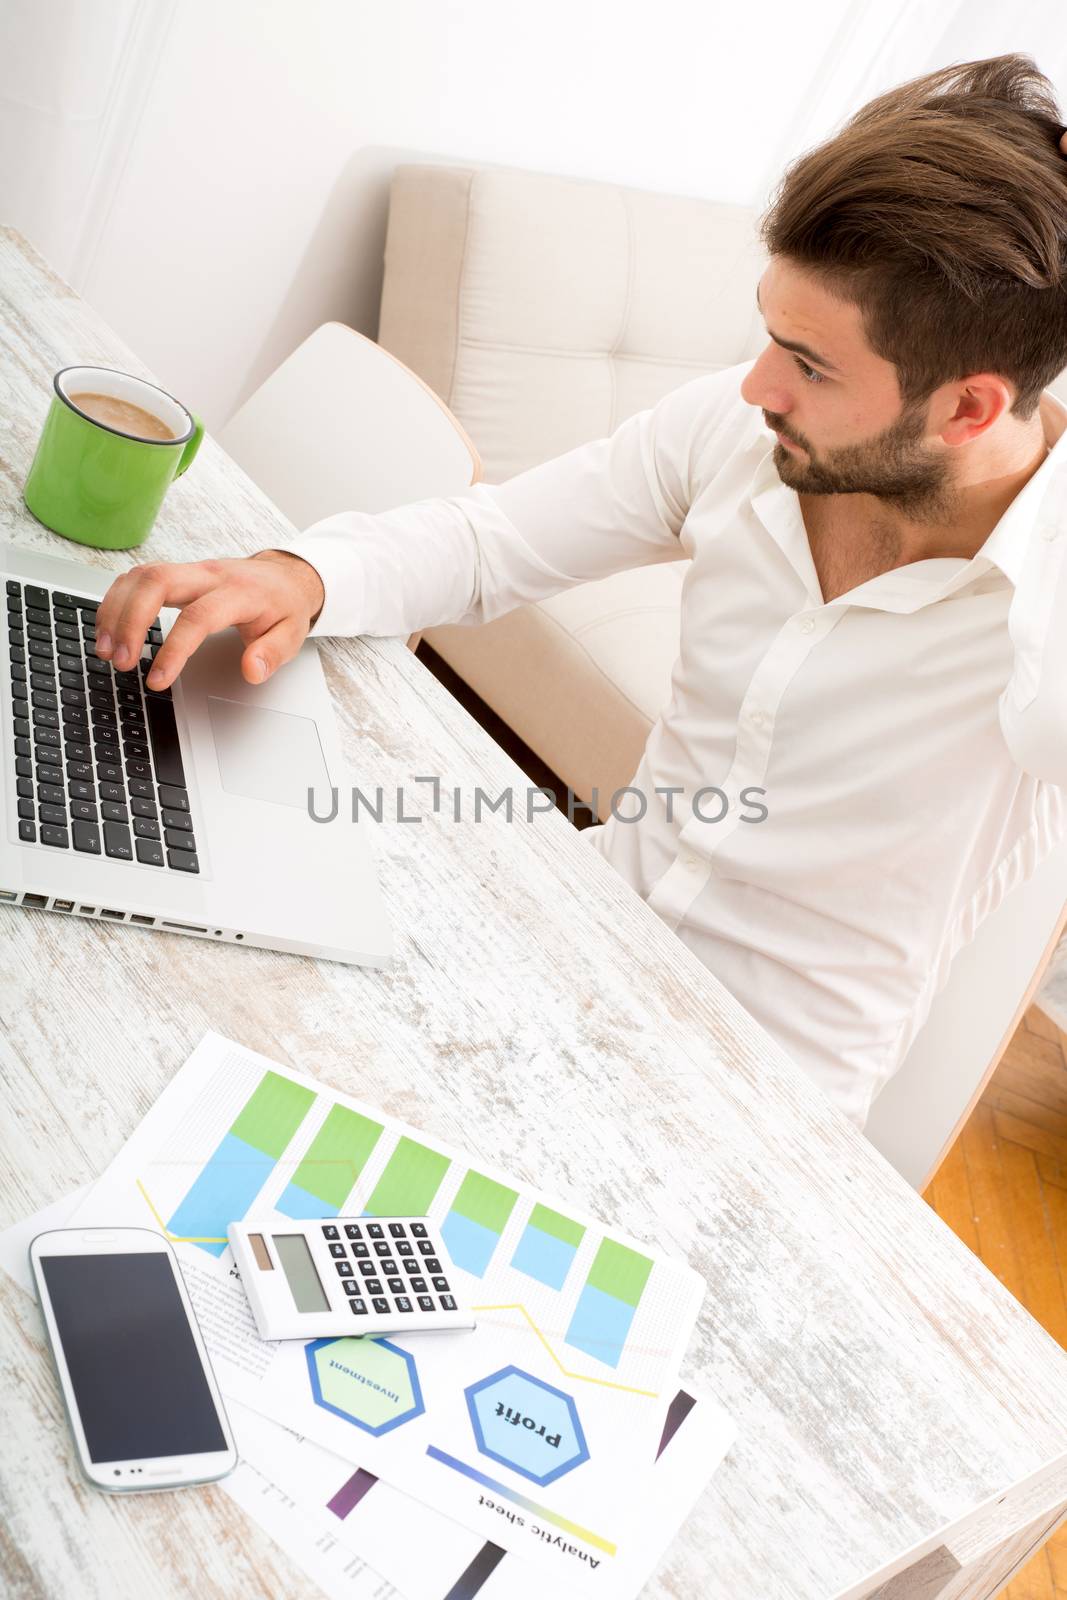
(539, 1015)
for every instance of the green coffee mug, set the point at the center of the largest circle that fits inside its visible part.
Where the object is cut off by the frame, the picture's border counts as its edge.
(95, 484)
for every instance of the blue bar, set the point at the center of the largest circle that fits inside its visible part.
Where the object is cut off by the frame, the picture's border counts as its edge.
(222, 1193)
(544, 1257)
(295, 1202)
(469, 1244)
(599, 1325)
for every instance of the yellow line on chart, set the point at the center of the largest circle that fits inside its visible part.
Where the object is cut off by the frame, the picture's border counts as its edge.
(177, 1238)
(604, 1383)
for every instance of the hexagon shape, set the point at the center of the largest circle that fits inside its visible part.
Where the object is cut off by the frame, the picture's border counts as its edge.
(527, 1425)
(368, 1382)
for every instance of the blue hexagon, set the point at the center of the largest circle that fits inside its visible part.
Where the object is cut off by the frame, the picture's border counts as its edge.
(526, 1425)
(369, 1382)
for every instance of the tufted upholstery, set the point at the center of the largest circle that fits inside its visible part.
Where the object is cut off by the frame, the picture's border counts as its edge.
(545, 311)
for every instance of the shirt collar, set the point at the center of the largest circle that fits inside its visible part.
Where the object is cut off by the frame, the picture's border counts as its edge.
(1043, 498)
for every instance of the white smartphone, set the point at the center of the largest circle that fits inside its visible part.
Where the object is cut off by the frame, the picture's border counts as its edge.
(143, 1404)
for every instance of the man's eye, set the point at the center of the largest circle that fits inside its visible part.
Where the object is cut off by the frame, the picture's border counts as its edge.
(808, 372)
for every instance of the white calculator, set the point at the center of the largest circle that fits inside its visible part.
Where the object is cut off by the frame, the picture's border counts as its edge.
(346, 1275)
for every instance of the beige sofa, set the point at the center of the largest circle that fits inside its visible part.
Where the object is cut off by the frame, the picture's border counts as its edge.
(545, 311)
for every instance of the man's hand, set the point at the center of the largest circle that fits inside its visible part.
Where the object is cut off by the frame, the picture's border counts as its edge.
(271, 599)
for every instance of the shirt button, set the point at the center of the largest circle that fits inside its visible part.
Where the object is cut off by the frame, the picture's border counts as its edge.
(757, 718)
(689, 858)
(1050, 532)
(808, 625)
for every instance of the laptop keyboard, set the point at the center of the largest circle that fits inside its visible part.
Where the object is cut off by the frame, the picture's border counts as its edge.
(98, 766)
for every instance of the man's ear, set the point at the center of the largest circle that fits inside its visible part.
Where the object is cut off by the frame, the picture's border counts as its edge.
(979, 402)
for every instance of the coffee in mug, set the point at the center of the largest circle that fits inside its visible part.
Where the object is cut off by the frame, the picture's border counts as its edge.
(122, 415)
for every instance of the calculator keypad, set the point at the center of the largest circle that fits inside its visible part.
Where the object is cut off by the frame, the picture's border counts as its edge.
(393, 1247)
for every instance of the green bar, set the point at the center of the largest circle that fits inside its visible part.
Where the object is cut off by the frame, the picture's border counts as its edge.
(337, 1155)
(410, 1181)
(558, 1226)
(485, 1201)
(619, 1271)
(272, 1115)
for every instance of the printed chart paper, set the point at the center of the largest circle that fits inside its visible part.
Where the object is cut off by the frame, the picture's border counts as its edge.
(539, 1430)
(428, 1556)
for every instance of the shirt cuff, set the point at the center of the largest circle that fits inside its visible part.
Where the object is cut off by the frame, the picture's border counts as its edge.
(332, 548)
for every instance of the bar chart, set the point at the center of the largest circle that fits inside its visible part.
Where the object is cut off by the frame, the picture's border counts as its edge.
(235, 1172)
(332, 1166)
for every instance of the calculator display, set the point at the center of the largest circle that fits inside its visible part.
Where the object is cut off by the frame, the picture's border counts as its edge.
(299, 1269)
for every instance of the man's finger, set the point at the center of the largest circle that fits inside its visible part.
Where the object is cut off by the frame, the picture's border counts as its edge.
(132, 604)
(273, 649)
(218, 608)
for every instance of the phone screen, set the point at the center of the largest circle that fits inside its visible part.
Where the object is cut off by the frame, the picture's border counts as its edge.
(133, 1363)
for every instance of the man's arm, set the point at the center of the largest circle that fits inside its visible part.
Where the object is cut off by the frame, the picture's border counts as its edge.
(1033, 708)
(615, 503)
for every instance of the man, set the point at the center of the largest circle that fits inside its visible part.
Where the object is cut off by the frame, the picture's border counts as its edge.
(873, 510)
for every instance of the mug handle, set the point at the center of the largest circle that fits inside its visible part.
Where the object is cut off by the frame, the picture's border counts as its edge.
(192, 447)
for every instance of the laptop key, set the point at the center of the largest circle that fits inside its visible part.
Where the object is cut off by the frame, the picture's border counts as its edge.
(178, 841)
(79, 790)
(173, 799)
(149, 853)
(178, 819)
(23, 767)
(141, 789)
(18, 672)
(55, 836)
(113, 813)
(50, 794)
(163, 730)
(36, 596)
(182, 861)
(22, 728)
(86, 837)
(137, 769)
(47, 739)
(142, 808)
(81, 771)
(27, 832)
(117, 841)
(26, 809)
(79, 754)
(23, 746)
(145, 828)
(55, 814)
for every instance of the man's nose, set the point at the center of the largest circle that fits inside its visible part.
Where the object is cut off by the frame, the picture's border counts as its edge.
(760, 387)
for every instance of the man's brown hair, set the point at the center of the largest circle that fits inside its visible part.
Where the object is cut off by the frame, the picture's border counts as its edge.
(940, 210)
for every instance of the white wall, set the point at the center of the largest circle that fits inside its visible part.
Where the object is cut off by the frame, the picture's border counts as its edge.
(213, 177)
(250, 205)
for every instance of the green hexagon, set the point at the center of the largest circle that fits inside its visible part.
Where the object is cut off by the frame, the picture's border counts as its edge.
(369, 1382)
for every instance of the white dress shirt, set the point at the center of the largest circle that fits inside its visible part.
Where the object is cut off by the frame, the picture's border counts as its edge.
(910, 735)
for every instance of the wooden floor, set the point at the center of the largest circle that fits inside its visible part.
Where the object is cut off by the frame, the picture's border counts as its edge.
(1003, 1191)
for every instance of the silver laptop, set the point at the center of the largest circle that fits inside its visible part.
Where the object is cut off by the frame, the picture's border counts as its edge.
(185, 811)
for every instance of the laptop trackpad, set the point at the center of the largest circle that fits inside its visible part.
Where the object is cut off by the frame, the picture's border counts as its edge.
(267, 755)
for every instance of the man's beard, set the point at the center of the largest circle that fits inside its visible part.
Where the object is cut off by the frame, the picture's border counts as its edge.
(892, 466)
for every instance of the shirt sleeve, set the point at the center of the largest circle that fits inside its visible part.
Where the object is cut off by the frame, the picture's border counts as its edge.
(1033, 708)
(615, 503)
